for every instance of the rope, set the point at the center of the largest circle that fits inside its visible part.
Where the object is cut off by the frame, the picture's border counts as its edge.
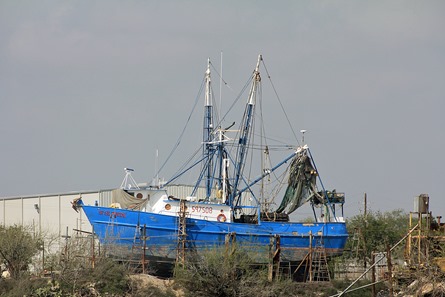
(183, 130)
(222, 79)
(279, 101)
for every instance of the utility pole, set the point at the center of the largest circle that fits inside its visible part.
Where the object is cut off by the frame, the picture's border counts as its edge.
(365, 215)
(389, 263)
(365, 211)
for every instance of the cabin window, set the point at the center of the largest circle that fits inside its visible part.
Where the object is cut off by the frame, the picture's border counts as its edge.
(139, 195)
(168, 206)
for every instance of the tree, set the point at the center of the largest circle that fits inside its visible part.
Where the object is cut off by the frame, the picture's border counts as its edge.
(219, 272)
(17, 247)
(376, 230)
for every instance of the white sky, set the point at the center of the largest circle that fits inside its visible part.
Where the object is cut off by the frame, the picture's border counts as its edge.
(90, 87)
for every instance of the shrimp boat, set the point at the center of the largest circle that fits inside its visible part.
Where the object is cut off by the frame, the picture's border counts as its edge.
(226, 205)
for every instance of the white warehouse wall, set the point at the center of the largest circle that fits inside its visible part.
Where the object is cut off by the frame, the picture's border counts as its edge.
(53, 215)
(50, 213)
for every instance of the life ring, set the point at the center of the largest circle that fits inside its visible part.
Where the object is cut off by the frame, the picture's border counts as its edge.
(115, 205)
(221, 218)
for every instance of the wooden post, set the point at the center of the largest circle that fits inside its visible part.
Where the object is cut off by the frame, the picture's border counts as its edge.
(362, 237)
(276, 258)
(419, 236)
(93, 259)
(270, 266)
(182, 233)
(410, 238)
(230, 241)
(144, 247)
(427, 242)
(373, 274)
(388, 258)
(311, 277)
(43, 256)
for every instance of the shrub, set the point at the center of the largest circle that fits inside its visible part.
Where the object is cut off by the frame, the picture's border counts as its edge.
(17, 247)
(218, 273)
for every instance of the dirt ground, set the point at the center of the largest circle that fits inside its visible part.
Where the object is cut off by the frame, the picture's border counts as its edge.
(145, 280)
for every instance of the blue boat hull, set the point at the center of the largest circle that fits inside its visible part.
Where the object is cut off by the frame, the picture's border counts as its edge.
(125, 230)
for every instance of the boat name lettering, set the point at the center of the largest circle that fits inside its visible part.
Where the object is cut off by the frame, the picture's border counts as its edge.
(113, 214)
(202, 209)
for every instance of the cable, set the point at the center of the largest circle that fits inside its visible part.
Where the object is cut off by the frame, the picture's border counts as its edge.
(279, 100)
(183, 130)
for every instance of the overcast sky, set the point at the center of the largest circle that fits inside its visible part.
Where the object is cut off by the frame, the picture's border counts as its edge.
(90, 87)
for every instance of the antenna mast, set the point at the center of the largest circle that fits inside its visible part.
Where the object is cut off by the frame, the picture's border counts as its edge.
(220, 87)
(208, 128)
(247, 124)
(129, 183)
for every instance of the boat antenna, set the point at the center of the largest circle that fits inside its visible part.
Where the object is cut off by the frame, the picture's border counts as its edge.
(129, 182)
(156, 182)
(220, 87)
(302, 132)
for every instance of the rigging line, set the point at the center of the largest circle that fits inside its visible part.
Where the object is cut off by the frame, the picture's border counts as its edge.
(183, 130)
(235, 101)
(183, 172)
(266, 145)
(239, 166)
(222, 79)
(279, 184)
(271, 148)
(278, 141)
(247, 84)
(257, 147)
(321, 183)
(279, 100)
(202, 173)
(264, 157)
(216, 107)
(186, 163)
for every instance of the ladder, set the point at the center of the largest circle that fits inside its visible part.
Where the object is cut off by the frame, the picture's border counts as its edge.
(182, 233)
(318, 264)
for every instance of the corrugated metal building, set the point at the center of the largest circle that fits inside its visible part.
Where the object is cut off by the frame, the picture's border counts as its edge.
(53, 213)
(50, 213)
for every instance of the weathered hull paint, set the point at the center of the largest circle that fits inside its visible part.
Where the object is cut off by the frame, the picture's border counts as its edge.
(127, 229)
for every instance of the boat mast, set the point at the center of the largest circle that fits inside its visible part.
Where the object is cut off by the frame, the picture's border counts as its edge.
(265, 166)
(208, 127)
(247, 124)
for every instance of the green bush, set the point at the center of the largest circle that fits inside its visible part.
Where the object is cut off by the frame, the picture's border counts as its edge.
(375, 231)
(21, 287)
(17, 247)
(219, 273)
(340, 285)
(107, 277)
